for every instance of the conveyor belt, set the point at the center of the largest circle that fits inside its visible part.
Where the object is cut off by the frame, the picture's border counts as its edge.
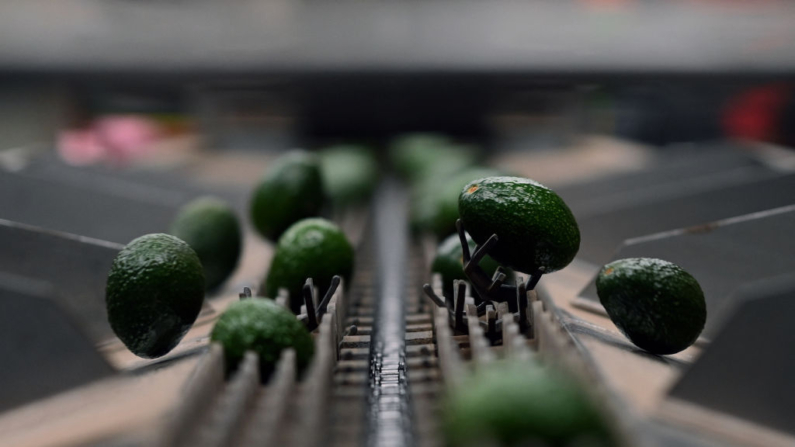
(389, 420)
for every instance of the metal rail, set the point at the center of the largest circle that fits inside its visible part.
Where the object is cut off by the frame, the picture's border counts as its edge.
(389, 421)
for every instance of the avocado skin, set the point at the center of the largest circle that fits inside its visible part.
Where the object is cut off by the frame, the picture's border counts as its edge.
(265, 327)
(449, 262)
(658, 305)
(350, 174)
(521, 403)
(312, 248)
(534, 226)
(291, 190)
(154, 293)
(212, 230)
(445, 210)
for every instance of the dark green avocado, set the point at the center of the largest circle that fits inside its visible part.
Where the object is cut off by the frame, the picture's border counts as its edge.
(534, 226)
(262, 326)
(212, 230)
(311, 248)
(517, 403)
(290, 190)
(449, 262)
(655, 303)
(154, 293)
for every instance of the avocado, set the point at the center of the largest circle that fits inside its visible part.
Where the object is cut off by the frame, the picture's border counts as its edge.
(350, 174)
(445, 201)
(409, 151)
(262, 326)
(449, 262)
(534, 226)
(513, 403)
(291, 190)
(658, 305)
(154, 293)
(212, 230)
(418, 157)
(311, 248)
(428, 190)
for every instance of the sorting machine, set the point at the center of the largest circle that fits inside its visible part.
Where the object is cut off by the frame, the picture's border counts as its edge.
(518, 80)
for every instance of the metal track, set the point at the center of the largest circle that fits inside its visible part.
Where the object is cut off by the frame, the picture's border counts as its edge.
(356, 392)
(389, 419)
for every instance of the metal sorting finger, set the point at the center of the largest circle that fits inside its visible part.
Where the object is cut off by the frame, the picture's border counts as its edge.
(308, 293)
(479, 346)
(317, 388)
(202, 389)
(228, 414)
(450, 361)
(270, 406)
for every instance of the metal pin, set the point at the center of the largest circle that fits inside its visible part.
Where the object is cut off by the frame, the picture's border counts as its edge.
(481, 251)
(459, 293)
(521, 303)
(309, 301)
(321, 308)
(432, 295)
(459, 225)
(497, 280)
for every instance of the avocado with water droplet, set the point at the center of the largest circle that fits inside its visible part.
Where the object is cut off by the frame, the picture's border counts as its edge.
(212, 230)
(657, 304)
(311, 248)
(534, 226)
(154, 293)
(262, 326)
(290, 190)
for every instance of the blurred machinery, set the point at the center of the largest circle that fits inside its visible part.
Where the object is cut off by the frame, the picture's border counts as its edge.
(665, 126)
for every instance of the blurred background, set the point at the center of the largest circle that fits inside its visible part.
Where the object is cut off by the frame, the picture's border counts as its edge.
(652, 119)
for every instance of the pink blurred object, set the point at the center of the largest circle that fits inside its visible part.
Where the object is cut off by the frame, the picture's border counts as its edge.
(80, 147)
(113, 139)
(126, 137)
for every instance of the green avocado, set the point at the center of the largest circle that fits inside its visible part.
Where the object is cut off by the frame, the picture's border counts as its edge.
(212, 230)
(262, 326)
(428, 191)
(418, 157)
(154, 293)
(410, 151)
(513, 403)
(655, 303)
(311, 248)
(534, 226)
(350, 174)
(291, 190)
(445, 201)
(449, 262)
